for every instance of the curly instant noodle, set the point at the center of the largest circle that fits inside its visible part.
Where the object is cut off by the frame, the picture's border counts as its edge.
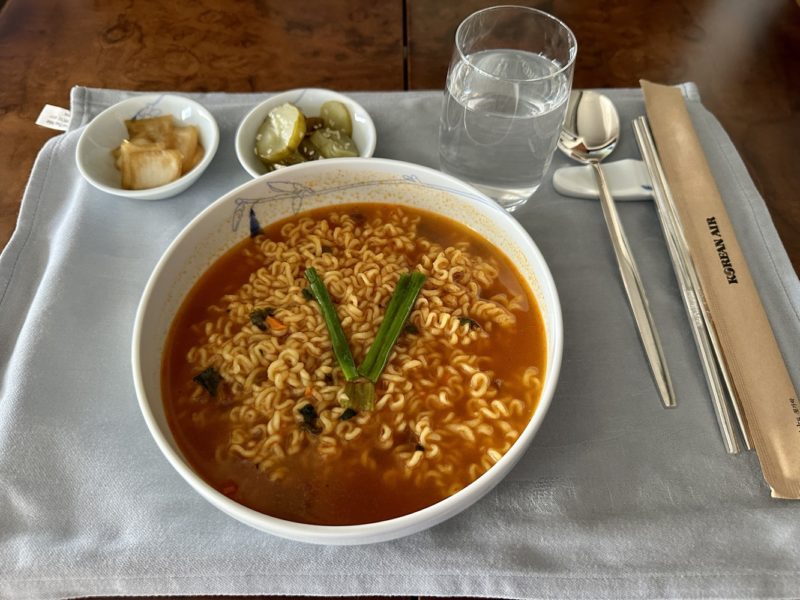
(461, 383)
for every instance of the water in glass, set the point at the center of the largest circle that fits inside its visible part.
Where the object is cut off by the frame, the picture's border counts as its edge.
(501, 120)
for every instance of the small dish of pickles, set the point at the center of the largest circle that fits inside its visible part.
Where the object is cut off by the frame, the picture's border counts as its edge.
(302, 125)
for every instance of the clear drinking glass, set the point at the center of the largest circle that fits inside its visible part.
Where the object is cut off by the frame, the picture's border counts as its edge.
(504, 101)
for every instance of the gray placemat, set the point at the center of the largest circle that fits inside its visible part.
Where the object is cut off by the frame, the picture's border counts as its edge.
(616, 498)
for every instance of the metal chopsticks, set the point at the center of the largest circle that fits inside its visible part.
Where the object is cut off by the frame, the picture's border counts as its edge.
(705, 336)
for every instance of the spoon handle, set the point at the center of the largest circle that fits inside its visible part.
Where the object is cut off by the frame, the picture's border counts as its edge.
(635, 290)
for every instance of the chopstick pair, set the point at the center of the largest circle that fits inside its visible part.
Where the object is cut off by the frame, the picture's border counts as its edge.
(715, 367)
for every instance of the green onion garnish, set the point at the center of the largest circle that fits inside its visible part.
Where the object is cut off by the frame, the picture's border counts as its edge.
(359, 389)
(341, 349)
(359, 394)
(400, 306)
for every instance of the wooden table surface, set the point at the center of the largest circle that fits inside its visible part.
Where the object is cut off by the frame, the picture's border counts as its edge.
(744, 56)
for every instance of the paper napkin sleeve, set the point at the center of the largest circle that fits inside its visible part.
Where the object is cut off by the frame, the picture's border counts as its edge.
(766, 393)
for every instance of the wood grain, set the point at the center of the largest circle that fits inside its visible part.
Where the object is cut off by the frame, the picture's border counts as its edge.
(743, 55)
(48, 46)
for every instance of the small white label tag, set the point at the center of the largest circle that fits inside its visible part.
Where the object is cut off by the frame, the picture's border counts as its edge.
(54, 117)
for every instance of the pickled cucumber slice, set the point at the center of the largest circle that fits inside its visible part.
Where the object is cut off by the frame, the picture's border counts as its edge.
(333, 144)
(312, 124)
(295, 158)
(336, 116)
(280, 134)
(307, 149)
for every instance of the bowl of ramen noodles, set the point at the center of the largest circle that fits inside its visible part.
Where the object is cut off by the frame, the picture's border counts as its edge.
(347, 351)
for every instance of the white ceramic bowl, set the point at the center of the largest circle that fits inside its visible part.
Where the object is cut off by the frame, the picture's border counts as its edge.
(107, 130)
(284, 193)
(309, 101)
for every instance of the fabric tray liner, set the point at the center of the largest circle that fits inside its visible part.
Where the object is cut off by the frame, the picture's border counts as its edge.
(616, 498)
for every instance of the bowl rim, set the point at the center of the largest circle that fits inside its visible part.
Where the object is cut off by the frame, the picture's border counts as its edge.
(277, 98)
(379, 530)
(168, 189)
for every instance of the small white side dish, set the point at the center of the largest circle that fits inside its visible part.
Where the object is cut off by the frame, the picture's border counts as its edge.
(288, 192)
(308, 100)
(107, 130)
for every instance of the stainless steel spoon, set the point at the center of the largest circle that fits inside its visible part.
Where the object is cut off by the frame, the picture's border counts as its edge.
(589, 134)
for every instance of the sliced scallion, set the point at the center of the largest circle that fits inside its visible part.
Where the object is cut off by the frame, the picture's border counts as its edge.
(341, 349)
(400, 306)
(359, 394)
(359, 390)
